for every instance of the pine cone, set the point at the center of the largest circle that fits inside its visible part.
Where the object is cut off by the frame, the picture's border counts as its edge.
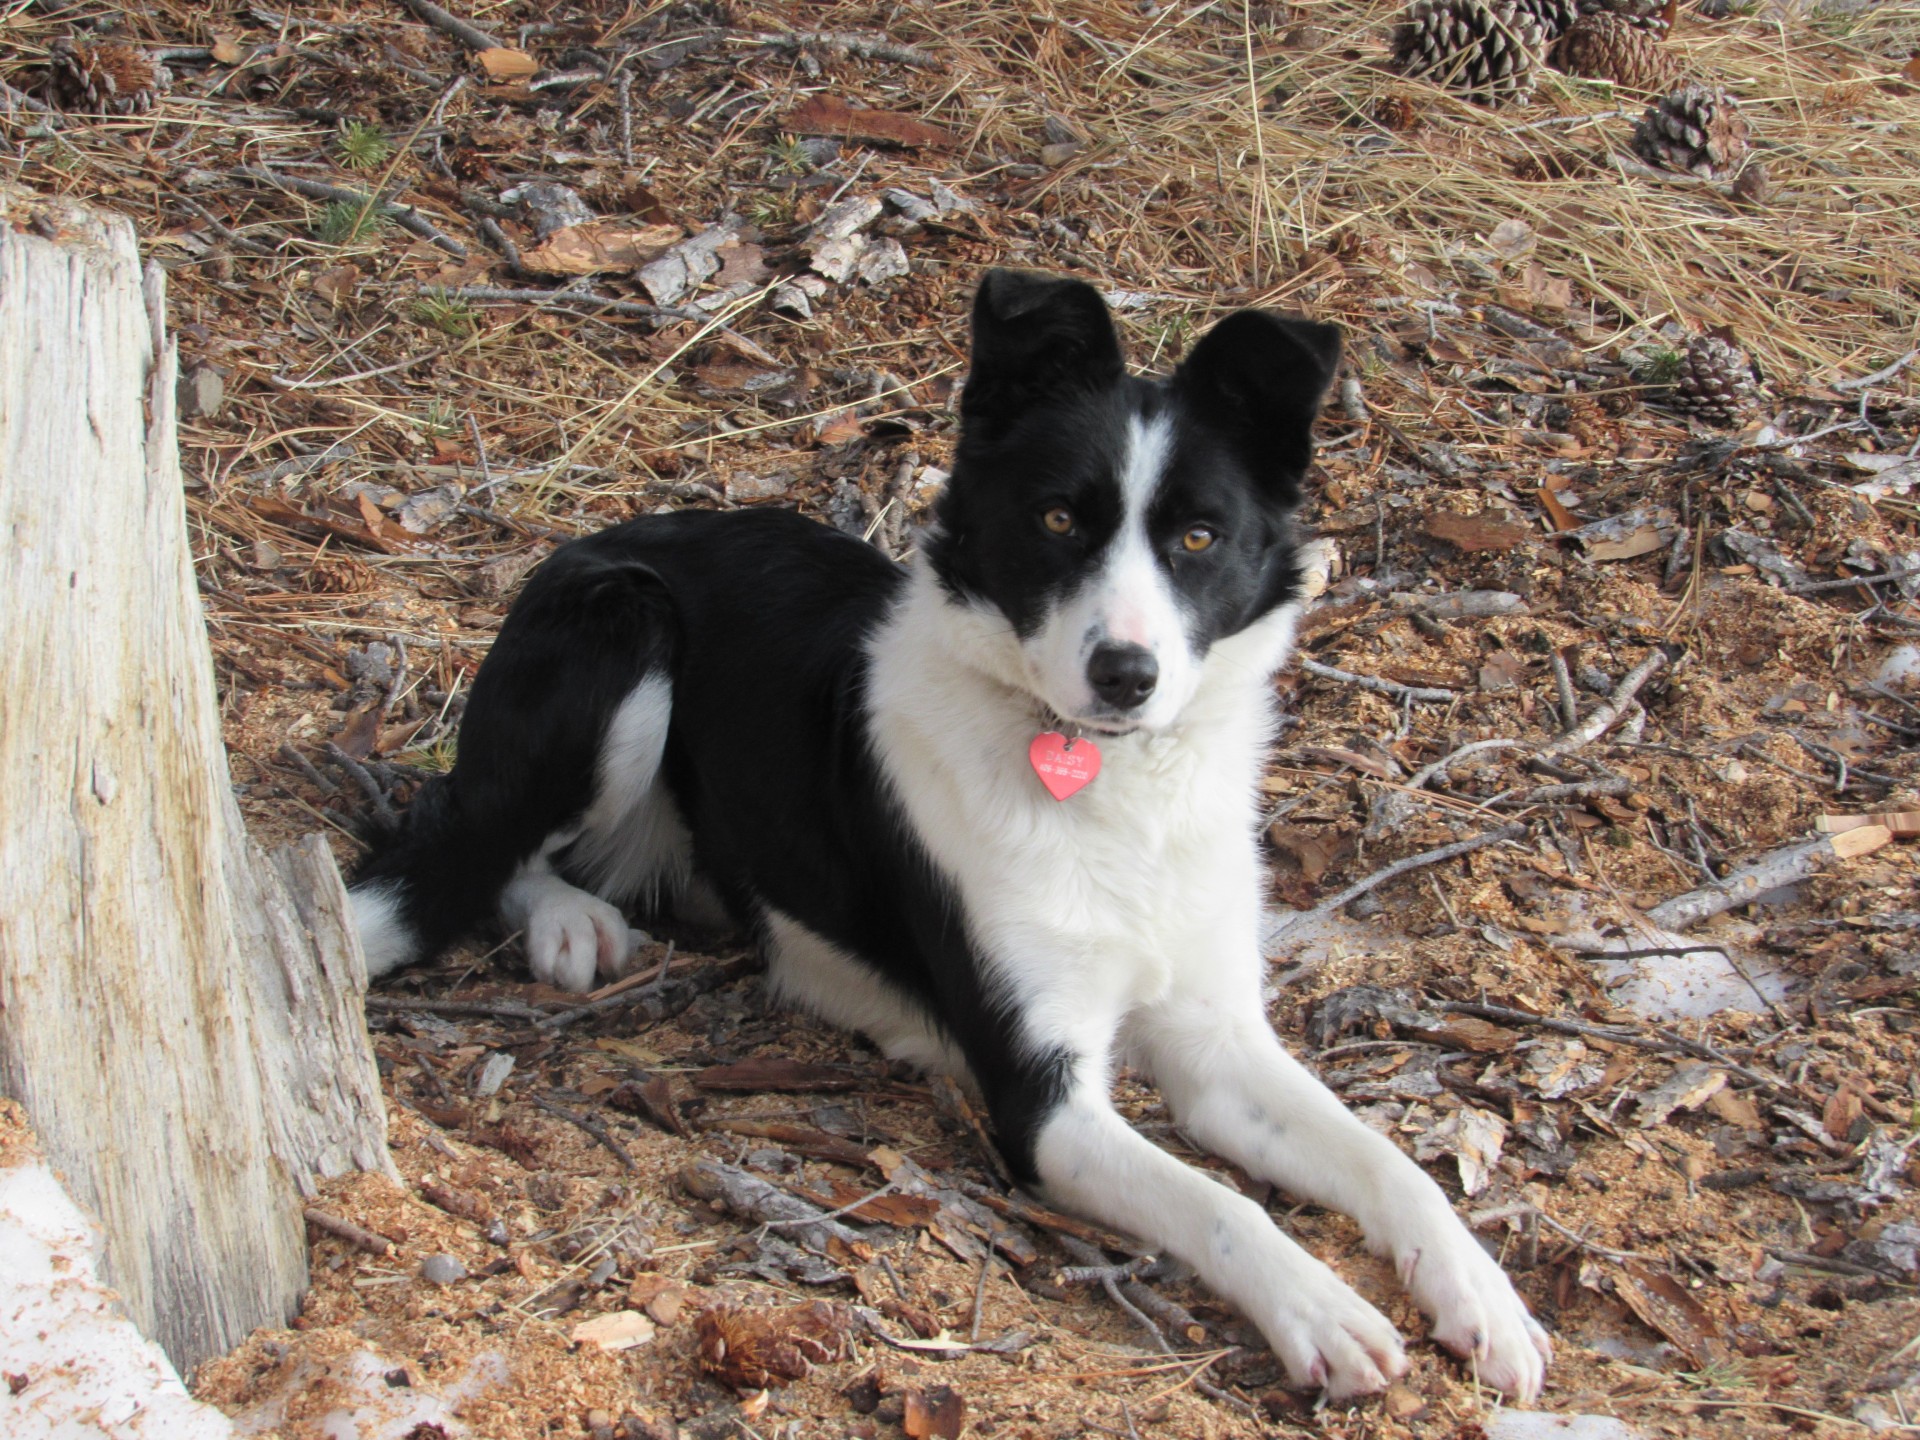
(109, 78)
(1696, 129)
(1609, 47)
(1649, 15)
(1487, 48)
(1556, 17)
(1715, 383)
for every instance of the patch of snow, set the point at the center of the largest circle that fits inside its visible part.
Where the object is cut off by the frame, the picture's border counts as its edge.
(368, 1407)
(1537, 1425)
(89, 1372)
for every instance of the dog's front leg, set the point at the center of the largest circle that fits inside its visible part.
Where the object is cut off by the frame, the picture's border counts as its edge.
(1233, 1087)
(1091, 1161)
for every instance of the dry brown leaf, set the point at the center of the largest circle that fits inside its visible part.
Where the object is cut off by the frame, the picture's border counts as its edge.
(1735, 1108)
(651, 1099)
(1503, 670)
(1558, 513)
(505, 63)
(1314, 848)
(1842, 1109)
(1665, 1307)
(599, 246)
(361, 732)
(830, 115)
(1475, 532)
(937, 1412)
(740, 264)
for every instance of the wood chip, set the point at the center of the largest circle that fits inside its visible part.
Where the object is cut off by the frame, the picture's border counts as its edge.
(505, 63)
(1476, 532)
(1905, 824)
(1851, 844)
(620, 1330)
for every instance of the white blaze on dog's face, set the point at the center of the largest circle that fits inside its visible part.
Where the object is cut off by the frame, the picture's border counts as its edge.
(1122, 624)
(1111, 529)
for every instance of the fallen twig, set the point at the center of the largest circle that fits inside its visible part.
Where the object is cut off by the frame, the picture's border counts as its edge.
(1334, 903)
(847, 42)
(1814, 587)
(757, 1199)
(475, 1009)
(1579, 790)
(382, 806)
(1597, 724)
(405, 216)
(592, 1126)
(1884, 373)
(357, 1236)
(655, 1002)
(1376, 684)
(469, 35)
(587, 298)
(1769, 872)
(1666, 1042)
(1438, 768)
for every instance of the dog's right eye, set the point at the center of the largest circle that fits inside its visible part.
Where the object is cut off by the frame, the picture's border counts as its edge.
(1058, 520)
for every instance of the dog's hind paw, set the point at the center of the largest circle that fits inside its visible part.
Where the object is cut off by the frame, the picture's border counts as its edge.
(574, 937)
(1476, 1312)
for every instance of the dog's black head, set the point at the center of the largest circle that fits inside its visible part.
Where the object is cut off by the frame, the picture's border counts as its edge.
(1123, 527)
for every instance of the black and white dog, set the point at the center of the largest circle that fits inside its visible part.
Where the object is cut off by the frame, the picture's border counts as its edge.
(994, 808)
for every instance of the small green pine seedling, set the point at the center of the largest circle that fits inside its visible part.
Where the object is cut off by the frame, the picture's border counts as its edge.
(363, 146)
(447, 313)
(1658, 367)
(787, 156)
(769, 209)
(348, 222)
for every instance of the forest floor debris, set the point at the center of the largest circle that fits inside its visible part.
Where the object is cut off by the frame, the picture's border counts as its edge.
(453, 284)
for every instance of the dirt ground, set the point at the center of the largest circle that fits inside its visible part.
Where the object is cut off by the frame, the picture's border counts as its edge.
(633, 257)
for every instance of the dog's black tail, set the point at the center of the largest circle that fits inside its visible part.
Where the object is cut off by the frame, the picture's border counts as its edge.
(592, 623)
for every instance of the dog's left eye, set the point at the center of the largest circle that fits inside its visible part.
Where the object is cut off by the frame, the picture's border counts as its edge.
(1198, 538)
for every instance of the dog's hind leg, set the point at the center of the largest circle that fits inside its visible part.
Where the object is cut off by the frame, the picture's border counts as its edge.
(1234, 1089)
(559, 748)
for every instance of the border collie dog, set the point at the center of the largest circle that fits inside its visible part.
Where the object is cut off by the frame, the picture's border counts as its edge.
(995, 808)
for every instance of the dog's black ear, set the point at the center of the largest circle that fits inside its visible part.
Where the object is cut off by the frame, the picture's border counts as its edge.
(1261, 377)
(1035, 336)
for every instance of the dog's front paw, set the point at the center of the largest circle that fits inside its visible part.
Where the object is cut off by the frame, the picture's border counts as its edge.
(1476, 1312)
(1328, 1338)
(573, 937)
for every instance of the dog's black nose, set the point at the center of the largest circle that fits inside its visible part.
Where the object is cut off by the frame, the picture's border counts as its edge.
(1123, 675)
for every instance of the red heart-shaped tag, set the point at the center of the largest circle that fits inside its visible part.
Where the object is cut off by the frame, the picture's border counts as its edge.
(1064, 766)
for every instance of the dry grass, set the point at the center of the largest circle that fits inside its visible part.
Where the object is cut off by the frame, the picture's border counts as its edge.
(1233, 154)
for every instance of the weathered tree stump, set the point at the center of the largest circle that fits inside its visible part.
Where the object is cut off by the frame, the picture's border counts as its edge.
(180, 1014)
